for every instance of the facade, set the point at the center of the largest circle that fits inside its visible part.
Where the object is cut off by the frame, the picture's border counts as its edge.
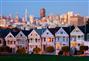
(11, 42)
(47, 39)
(21, 40)
(77, 36)
(34, 40)
(62, 39)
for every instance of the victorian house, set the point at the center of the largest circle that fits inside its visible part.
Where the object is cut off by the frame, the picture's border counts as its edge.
(77, 36)
(48, 38)
(11, 41)
(34, 39)
(21, 40)
(61, 38)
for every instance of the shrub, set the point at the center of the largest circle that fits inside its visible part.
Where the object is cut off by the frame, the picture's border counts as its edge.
(83, 48)
(65, 49)
(21, 51)
(36, 50)
(50, 49)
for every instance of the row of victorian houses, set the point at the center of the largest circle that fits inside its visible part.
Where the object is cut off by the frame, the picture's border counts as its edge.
(56, 37)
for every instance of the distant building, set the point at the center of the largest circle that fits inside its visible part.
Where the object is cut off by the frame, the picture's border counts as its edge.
(77, 20)
(42, 12)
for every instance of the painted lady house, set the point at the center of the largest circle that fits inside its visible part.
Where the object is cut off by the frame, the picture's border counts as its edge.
(77, 37)
(34, 39)
(11, 41)
(22, 41)
(48, 39)
(62, 38)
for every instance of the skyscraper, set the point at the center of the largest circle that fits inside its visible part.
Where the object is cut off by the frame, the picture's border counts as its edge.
(26, 16)
(42, 12)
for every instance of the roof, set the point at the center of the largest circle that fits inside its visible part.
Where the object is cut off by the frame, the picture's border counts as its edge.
(53, 30)
(82, 28)
(40, 31)
(27, 32)
(14, 33)
(3, 33)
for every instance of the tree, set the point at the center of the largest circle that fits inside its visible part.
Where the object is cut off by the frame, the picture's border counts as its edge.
(21, 51)
(36, 50)
(50, 49)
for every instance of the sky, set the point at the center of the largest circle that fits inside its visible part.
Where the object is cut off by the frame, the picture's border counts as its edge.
(56, 7)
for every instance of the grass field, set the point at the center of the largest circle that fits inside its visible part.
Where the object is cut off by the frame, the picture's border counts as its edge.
(42, 58)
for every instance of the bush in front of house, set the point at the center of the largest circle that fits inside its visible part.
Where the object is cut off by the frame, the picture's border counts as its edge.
(65, 50)
(36, 50)
(5, 49)
(83, 48)
(21, 51)
(50, 49)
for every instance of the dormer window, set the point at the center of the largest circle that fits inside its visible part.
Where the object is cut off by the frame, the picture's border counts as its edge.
(61, 32)
(36, 34)
(47, 33)
(10, 36)
(20, 34)
(77, 30)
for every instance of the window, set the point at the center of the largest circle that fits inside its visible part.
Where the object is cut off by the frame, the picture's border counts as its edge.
(36, 40)
(78, 36)
(14, 42)
(0, 41)
(57, 46)
(44, 39)
(49, 40)
(31, 39)
(36, 34)
(10, 36)
(47, 33)
(9, 42)
(20, 34)
(63, 38)
(61, 32)
(77, 30)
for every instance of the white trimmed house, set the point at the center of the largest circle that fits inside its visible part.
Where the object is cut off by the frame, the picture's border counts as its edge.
(48, 39)
(21, 40)
(11, 41)
(77, 36)
(62, 38)
(34, 40)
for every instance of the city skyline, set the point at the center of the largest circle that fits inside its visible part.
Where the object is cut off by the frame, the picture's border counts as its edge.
(52, 7)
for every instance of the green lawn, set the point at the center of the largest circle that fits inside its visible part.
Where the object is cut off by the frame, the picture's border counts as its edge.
(42, 58)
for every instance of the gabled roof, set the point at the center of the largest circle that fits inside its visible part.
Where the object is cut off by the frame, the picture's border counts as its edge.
(3, 33)
(53, 30)
(40, 31)
(82, 28)
(14, 33)
(27, 32)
